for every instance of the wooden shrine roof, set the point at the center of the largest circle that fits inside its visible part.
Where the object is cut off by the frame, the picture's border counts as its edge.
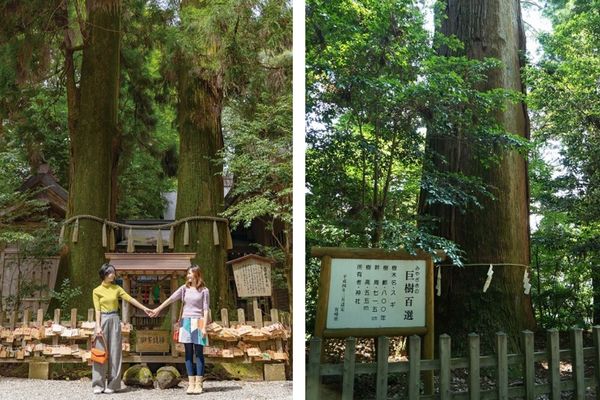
(249, 257)
(150, 263)
(51, 192)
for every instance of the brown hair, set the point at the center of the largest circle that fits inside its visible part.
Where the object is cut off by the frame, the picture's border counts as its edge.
(197, 276)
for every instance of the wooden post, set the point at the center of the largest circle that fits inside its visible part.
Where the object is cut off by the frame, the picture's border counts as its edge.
(553, 363)
(73, 318)
(325, 279)
(174, 312)
(502, 370)
(25, 318)
(90, 317)
(56, 321)
(348, 369)
(258, 320)
(125, 304)
(577, 361)
(429, 339)
(528, 364)
(596, 337)
(13, 319)
(1, 317)
(224, 318)
(383, 352)
(474, 369)
(241, 316)
(275, 319)
(39, 322)
(414, 367)
(445, 352)
(274, 315)
(313, 373)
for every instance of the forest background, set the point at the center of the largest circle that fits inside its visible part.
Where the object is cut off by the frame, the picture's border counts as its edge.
(127, 100)
(381, 85)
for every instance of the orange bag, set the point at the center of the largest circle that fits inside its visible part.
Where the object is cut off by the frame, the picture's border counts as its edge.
(98, 355)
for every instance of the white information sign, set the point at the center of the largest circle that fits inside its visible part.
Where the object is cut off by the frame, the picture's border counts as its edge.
(367, 293)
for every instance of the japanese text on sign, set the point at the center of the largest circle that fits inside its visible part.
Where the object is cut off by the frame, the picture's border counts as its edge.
(252, 278)
(376, 294)
(152, 340)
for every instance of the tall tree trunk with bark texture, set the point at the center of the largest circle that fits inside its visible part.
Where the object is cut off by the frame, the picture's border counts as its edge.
(200, 183)
(499, 232)
(95, 105)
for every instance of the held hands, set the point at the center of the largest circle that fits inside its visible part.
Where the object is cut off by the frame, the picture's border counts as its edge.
(152, 313)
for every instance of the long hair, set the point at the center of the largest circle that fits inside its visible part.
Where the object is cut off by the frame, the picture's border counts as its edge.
(196, 276)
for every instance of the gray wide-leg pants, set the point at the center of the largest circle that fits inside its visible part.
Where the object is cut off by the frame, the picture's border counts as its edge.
(111, 327)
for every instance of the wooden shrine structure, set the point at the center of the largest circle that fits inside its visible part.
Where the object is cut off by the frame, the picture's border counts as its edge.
(150, 278)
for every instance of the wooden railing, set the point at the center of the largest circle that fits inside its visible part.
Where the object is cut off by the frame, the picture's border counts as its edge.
(25, 336)
(501, 362)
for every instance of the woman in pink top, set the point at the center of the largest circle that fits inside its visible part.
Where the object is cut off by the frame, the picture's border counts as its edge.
(192, 332)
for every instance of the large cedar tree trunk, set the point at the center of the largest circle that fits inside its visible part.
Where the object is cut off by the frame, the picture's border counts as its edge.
(95, 107)
(200, 183)
(498, 233)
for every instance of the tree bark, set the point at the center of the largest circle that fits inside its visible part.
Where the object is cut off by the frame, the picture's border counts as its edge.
(95, 106)
(200, 181)
(499, 232)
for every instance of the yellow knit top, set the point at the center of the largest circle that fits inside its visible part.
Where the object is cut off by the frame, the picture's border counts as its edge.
(106, 297)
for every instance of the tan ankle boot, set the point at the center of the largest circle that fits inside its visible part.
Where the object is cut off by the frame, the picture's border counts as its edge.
(192, 385)
(199, 384)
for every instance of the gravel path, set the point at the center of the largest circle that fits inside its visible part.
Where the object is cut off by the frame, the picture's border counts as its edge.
(29, 389)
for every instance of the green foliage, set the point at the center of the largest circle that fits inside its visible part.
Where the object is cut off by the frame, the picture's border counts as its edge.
(565, 173)
(375, 86)
(257, 125)
(148, 136)
(65, 294)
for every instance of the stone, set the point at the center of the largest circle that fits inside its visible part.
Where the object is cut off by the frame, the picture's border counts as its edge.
(167, 377)
(138, 375)
(274, 372)
(39, 370)
(237, 371)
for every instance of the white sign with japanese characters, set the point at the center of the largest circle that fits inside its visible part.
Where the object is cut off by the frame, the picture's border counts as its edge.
(376, 294)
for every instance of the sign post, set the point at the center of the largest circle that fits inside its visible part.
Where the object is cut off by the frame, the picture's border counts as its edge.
(252, 274)
(374, 292)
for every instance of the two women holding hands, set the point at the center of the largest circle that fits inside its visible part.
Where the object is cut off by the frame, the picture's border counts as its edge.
(192, 333)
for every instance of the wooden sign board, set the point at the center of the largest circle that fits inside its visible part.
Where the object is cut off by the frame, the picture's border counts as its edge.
(370, 293)
(153, 341)
(373, 292)
(252, 276)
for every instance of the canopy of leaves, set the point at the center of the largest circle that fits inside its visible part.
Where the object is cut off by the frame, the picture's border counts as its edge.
(257, 126)
(375, 87)
(565, 99)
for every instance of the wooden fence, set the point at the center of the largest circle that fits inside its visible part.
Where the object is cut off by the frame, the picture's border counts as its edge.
(23, 339)
(16, 269)
(501, 362)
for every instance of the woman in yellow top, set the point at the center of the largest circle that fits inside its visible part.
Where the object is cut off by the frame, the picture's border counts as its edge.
(108, 325)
